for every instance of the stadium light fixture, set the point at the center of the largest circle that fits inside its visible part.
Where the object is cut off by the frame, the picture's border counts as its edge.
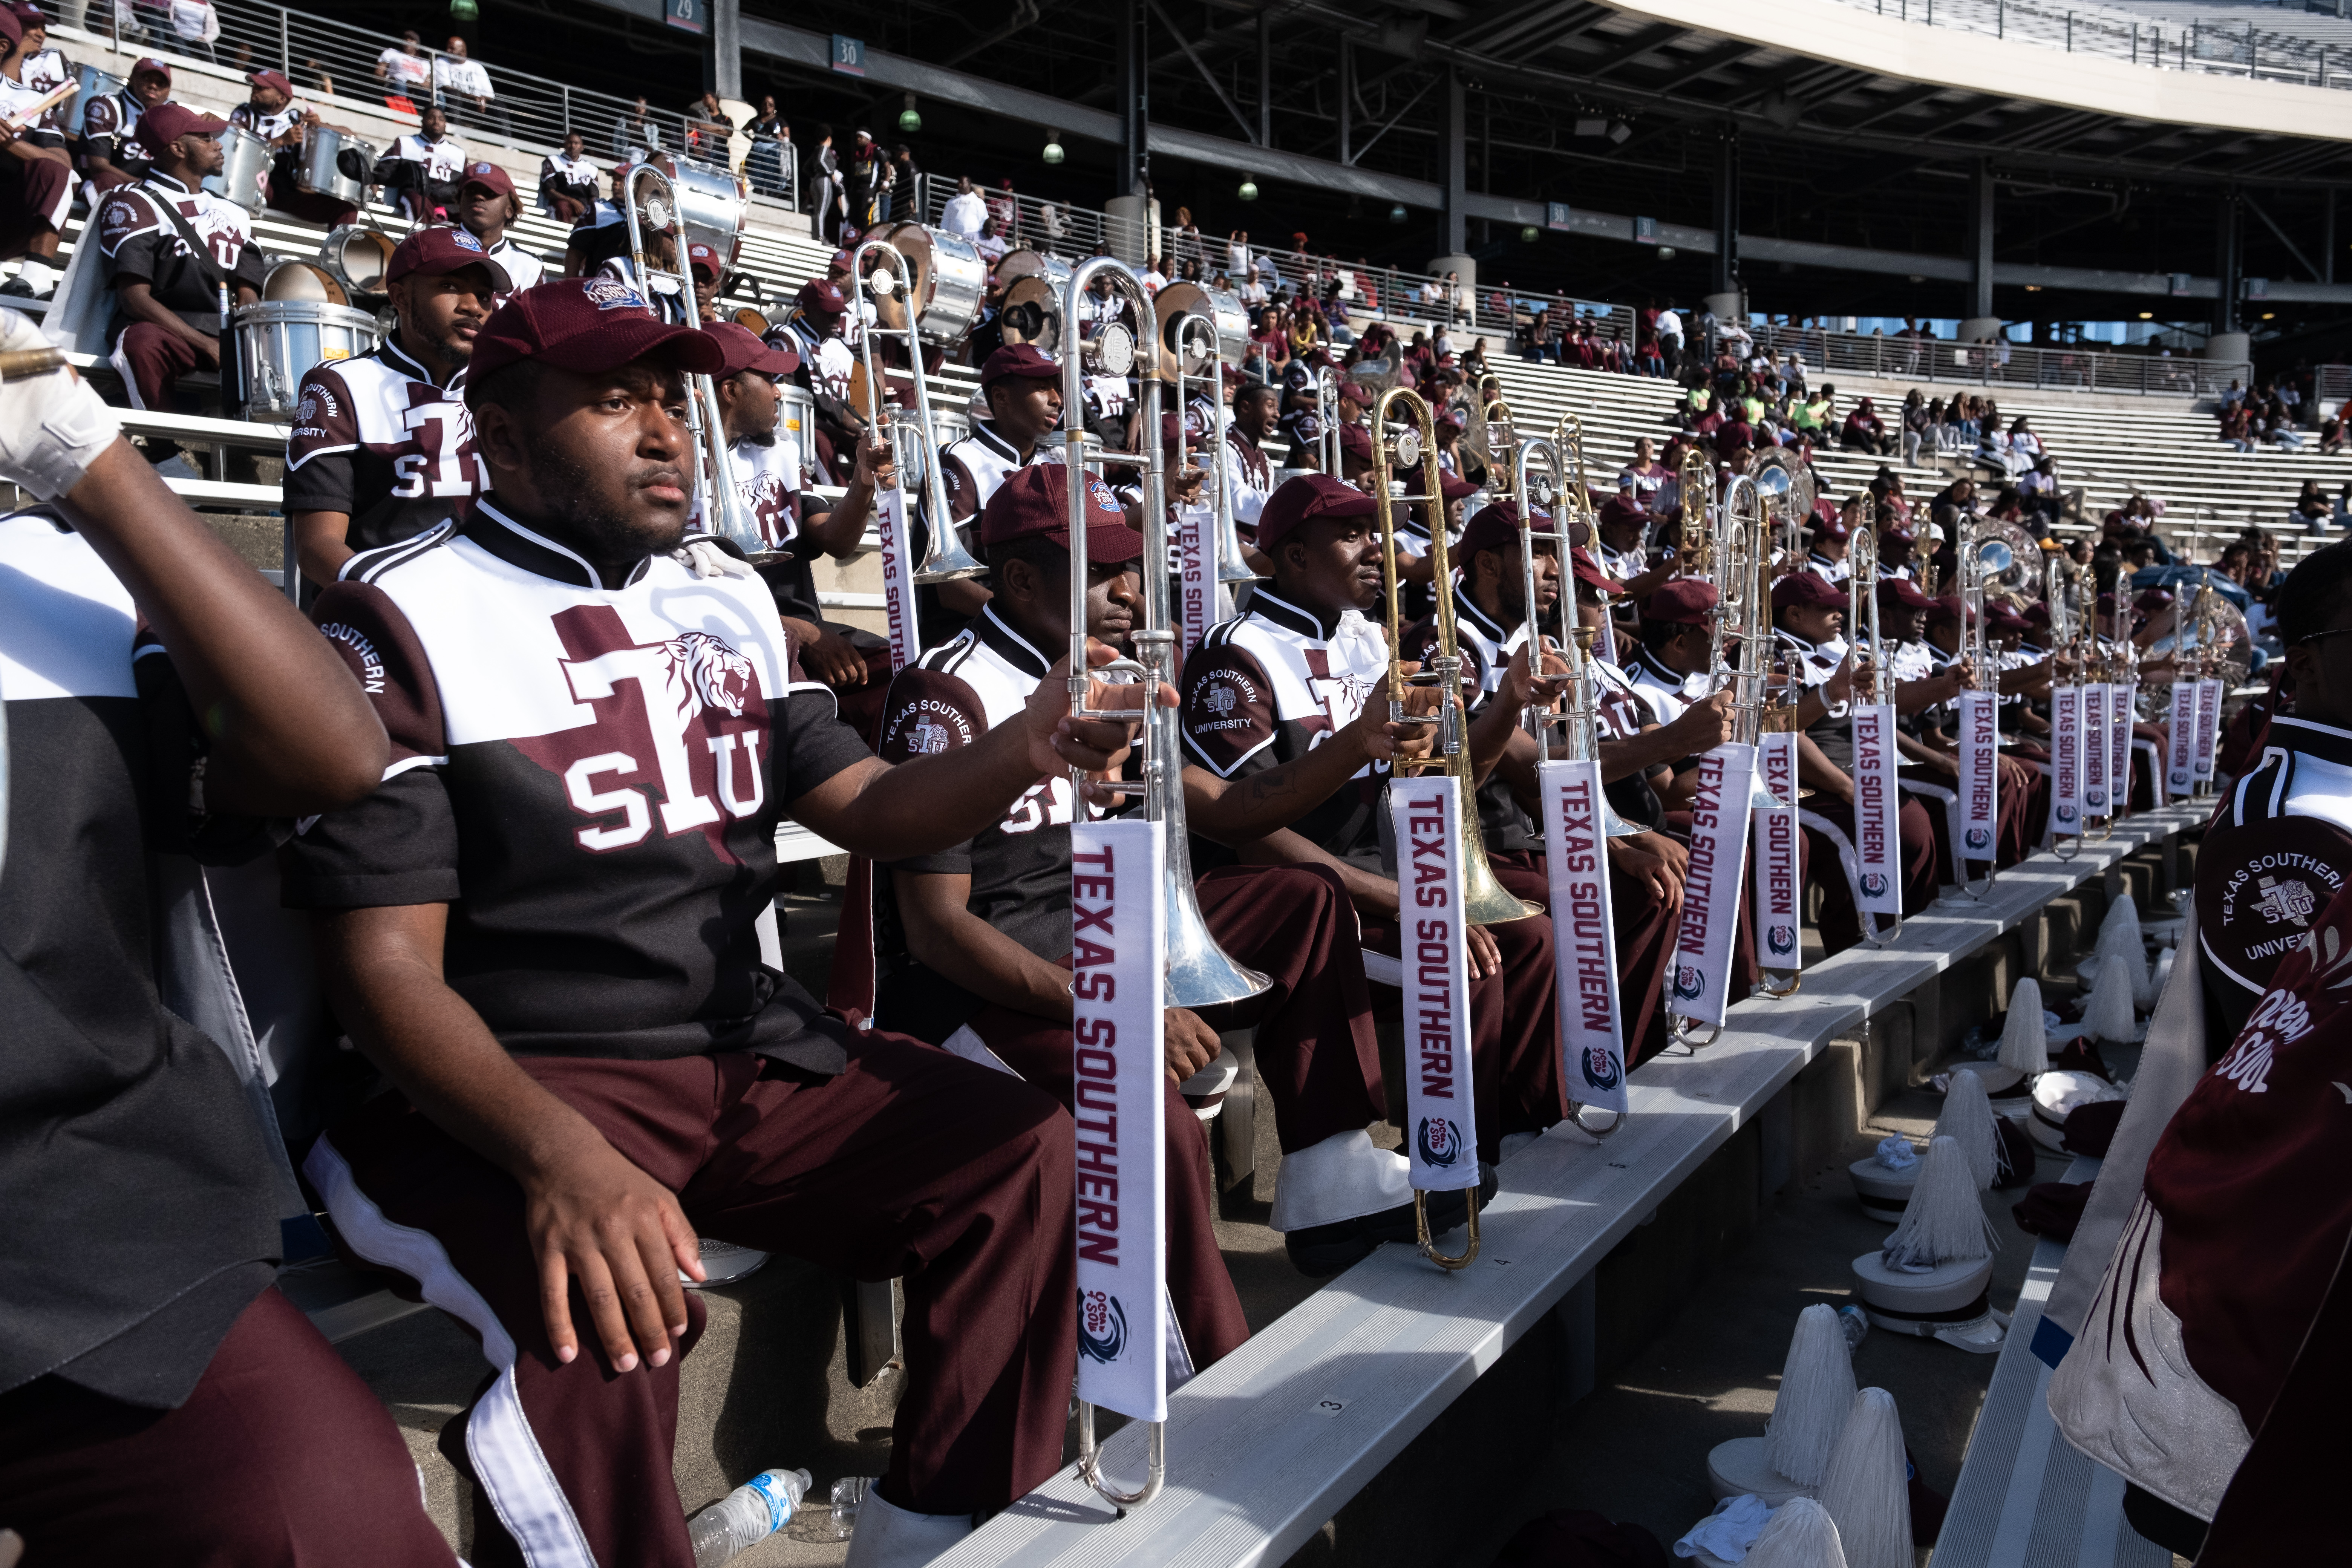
(1053, 153)
(1248, 191)
(2147, 315)
(1665, 253)
(1397, 213)
(910, 120)
(1528, 235)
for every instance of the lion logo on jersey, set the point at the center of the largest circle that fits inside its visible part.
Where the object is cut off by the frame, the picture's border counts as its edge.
(704, 673)
(926, 738)
(1439, 1141)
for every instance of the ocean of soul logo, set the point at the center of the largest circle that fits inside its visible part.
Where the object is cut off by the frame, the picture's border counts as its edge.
(1690, 983)
(1782, 940)
(1874, 883)
(1441, 1144)
(1102, 1326)
(1980, 838)
(1600, 1066)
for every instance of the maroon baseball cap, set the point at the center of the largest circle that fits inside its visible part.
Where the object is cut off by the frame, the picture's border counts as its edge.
(1832, 528)
(1354, 439)
(586, 325)
(272, 78)
(1588, 572)
(1621, 509)
(1897, 534)
(1497, 527)
(1686, 601)
(1035, 501)
(1296, 500)
(440, 251)
(1447, 421)
(702, 258)
(1356, 391)
(10, 29)
(1896, 591)
(2004, 619)
(2037, 614)
(840, 262)
(745, 351)
(1808, 589)
(1022, 359)
(1454, 487)
(167, 122)
(491, 177)
(819, 297)
(1948, 608)
(150, 66)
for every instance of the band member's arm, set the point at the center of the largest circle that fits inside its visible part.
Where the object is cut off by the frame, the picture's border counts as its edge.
(838, 530)
(1238, 810)
(1927, 755)
(1499, 720)
(945, 937)
(1656, 862)
(2032, 680)
(1703, 726)
(1816, 771)
(1916, 696)
(321, 543)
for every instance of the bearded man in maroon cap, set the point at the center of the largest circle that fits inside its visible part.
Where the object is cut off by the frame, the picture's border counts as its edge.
(544, 927)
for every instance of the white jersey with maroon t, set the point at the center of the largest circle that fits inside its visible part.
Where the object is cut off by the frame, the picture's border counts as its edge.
(973, 465)
(767, 480)
(442, 159)
(375, 438)
(523, 269)
(1249, 477)
(268, 124)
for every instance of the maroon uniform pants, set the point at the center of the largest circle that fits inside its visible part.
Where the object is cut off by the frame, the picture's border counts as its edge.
(909, 1164)
(35, 193)
(1514, 1025)
(1644, 930)
(152, 360)
(280, 1458)
(1841, 923)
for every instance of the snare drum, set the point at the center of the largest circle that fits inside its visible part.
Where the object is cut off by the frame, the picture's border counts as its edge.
(1221, 311)
(1032, 312)
(278, 342)
(245, 169)
(334, 164)
(356, 258)
(949, 278)
(712, 203)
(95, 84)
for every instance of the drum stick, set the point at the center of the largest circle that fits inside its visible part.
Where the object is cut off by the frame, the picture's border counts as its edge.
(55, 96)
(15, 364)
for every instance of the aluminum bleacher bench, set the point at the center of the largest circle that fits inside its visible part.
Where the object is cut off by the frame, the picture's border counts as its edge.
(1270, 1442)
(2025, 1494)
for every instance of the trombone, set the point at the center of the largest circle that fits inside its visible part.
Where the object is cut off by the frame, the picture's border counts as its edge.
(1695, 488)
(1785, 494)
(2058, 590)
(1200, 972)
(1873, 683)
(723, 512)
(1327, 414)
(1196, 339)
(946, 560)
(1978, 557)
(1500, 428)
(1580, 738)
(2098, 668)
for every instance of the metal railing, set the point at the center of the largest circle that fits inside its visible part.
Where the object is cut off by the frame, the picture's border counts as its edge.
(525, 112)
(2211, 46)
(1937, 361)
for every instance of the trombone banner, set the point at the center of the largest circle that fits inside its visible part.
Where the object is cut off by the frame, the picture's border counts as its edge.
(2121, 707)
(2208, 728)
(1778, 917)
(2096, 756)
(1701, 987)
(1117, 933)
(1980, 774)
(1584, 939)
(897, 576)
(1433, 950)
(1877, 810)
(2181, 744)
(2066, 761)
(1197, 585)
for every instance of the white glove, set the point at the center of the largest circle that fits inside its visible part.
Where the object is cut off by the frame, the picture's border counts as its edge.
(706, 559)
(52, 425)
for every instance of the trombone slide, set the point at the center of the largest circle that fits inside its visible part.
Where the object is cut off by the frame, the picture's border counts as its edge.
(1440, 1109)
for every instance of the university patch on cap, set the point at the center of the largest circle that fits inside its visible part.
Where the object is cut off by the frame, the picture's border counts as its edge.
(607, 293)
(464, 240)
(1100, 494)
(479, 169)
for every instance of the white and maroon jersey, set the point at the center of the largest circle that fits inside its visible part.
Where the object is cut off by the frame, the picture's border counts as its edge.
(374, 438)
(138, 1182)
(1487, 648)
(590, 774)
(1249, 479)
(1813, 663)
(18, 96)
(1667, 693)
(1619, 713)
(1200, 419)
(1621, 565)
(523, 269)
(957, 692)
(560, 174)
(110, 123)
(827, 361)
(266, 124)
(971, 466)
(1827, 570)
(1271, 685)
(48, 71)
(141, 245)
(769, 482)
(442, 159)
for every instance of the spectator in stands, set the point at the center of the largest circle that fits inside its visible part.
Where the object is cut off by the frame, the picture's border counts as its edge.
(965, 213)
(568, 181)
(110, 153)
(166, 320)
(772, 159)
(1238, 262)
(195, 27)
(905, 189)
(1864, 432)
(2342, 516)
(42, 67)
(463, 82)
(2310, 510)
(1005, 208)
(636, 133)
(383, 445)
(36, 177)
(866, 181)
(989, 243)
(832, 189)
(1918, 427)
(707, 129)
(2237, 426)
(164, 1402)
(423, 168)
(405, 69)
(2039, 489)
(487, 205)
(272, 114)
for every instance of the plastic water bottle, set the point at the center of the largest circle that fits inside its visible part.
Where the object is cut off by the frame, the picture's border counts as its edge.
(1857, 1324)
(848, 1494)
(746, 1516)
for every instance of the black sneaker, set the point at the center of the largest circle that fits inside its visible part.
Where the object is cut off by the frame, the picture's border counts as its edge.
(1321, 1250)
(16, 289)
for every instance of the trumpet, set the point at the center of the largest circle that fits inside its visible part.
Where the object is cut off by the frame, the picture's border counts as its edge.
(946, 559)
(649, 203)
(1873, 684)
(1200, 972)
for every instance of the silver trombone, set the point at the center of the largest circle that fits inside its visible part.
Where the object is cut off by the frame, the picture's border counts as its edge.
(1188, 330)
(946, 560)
(1580, 737)
(2065, 639)
(1327, 411)
(1200, 972)
(724, 513)
(1863, 630)
(1979, 558)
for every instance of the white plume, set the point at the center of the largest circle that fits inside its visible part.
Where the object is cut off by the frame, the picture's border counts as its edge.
(1815, 1398)
(1800, 1534)
(1865, 1494)
(2124, 942)
(2025, 1036)
(1967, 1120)
(1944, 1223)
(2107, 1013)
(2124, 913)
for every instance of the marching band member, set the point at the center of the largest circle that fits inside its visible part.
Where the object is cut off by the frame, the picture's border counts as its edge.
(487, 204)
(273, 113)
(166, 296)
(35, 171)
(381, 448)
(1299, 666)
(423, 166)
(1022, 390)
(814, 335)
(1827, 560)
(546, 937)
(160, 1400)
(110, 151)
(568, 180)
(1249, 470)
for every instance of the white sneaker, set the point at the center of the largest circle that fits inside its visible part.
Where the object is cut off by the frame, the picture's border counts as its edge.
(888, 1536)
(723, 1263)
